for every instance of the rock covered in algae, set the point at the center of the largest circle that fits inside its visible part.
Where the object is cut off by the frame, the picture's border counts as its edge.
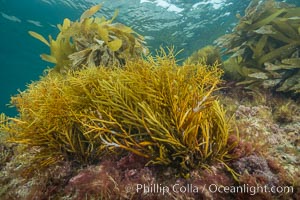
(92, 41)
(264, 47)
(118, 176)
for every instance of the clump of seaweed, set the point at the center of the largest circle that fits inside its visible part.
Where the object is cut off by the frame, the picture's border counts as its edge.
(269, 123)
(257, 171)
(6, 150)
(208, 55)
(98, 182)
(256, 166)
(109, 180)
(92, 41)
(286, 111)
(264, 47)
(152, 108)
(44, 184)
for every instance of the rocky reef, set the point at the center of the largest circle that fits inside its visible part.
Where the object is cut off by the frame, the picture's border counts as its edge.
(267, 154)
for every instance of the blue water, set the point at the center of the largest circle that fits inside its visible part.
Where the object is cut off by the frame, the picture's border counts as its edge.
(186, 24)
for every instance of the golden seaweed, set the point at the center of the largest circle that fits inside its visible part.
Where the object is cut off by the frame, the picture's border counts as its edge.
(258, 50)
(48, 58)
(266, 20)
(152, 108)
(287, 29)
(207, 55)
(115, 45)
(90, 12)
(39, 37)
(282, 51)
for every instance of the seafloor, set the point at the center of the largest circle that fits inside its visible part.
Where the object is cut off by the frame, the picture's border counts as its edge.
(267, 155)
